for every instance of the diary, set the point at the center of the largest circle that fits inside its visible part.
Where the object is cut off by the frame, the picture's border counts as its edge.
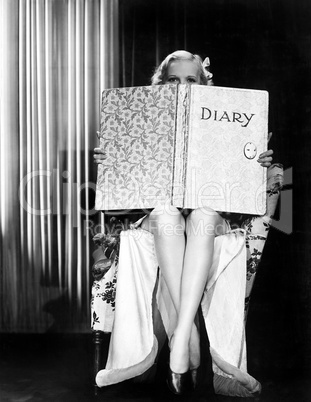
(189, 145)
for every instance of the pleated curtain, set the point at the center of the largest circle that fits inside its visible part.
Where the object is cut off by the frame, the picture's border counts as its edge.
(56, 58)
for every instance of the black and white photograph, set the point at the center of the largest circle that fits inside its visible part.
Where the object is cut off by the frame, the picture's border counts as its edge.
(155, 179)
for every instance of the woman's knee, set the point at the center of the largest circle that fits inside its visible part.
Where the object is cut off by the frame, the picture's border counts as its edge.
(166, 220)
(205, 221)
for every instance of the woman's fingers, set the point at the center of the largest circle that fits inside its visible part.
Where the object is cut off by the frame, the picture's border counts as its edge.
(267, 154)
(266, 161)
(265, 164)
(98, 158)
(265, 158)
(99, 155)
(99, 151)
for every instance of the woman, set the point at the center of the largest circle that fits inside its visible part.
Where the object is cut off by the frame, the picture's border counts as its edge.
(176, 251)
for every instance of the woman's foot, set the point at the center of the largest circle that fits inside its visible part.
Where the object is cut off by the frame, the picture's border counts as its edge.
(179, 354)
(194, 348)
(179, 378)
(177, 383)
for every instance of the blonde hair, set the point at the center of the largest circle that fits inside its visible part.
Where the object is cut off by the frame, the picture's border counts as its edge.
(160, 74)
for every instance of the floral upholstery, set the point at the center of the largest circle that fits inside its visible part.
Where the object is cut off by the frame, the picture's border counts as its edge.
(105, 268)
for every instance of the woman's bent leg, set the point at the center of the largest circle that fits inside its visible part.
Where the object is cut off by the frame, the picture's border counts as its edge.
(201, 228)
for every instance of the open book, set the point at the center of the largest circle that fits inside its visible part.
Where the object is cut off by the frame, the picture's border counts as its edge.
(192, 146)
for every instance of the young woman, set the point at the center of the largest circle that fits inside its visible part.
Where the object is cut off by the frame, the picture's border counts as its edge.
(185, 254)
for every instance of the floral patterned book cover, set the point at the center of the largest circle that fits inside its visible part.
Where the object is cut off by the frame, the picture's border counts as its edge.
(192, 146)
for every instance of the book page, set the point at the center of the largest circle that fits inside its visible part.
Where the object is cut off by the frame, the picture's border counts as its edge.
(138, 136)
(228, 130)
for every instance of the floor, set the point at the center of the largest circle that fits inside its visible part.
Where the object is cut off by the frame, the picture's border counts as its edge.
(59, 368)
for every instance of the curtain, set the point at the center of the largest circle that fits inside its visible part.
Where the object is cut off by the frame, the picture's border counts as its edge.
(149, 31)
(57, 57)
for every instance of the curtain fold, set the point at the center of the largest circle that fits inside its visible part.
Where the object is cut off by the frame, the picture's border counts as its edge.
(58, 55)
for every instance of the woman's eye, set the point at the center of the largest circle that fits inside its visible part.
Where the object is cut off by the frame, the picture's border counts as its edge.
(172, 79)
(191, 80)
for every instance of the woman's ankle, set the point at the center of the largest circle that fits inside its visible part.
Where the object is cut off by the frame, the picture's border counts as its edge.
(179, 353)
(194, 348)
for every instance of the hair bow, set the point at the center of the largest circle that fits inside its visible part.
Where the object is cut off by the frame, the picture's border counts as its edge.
(206, 64)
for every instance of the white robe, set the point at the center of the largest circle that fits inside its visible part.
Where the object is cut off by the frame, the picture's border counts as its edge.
(133, 346)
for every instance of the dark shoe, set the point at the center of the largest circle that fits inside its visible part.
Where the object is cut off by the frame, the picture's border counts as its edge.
(178, 383)
(194, 378)
(194, 358)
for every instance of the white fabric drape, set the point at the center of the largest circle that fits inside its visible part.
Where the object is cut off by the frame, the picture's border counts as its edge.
(222, 308)
(57, 57)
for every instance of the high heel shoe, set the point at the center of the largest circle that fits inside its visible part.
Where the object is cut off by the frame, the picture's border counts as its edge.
(194, 378)
(178, 383)
(194, 362)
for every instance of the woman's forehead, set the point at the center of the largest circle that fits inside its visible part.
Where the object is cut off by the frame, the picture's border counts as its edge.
(182, 66)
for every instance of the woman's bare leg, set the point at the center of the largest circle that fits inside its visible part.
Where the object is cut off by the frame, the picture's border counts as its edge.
(202, 227)
(170, 249)
(168, 227)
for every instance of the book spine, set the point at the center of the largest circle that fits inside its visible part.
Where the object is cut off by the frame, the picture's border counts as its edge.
(179, 164)
(186, 126)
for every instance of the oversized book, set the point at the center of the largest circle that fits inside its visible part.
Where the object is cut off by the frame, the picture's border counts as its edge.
(189, 145)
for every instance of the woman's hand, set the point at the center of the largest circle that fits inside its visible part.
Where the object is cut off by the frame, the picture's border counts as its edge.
(265, 158)
(99, 155)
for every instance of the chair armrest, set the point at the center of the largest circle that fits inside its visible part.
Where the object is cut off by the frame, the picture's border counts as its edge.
(104, 270)
(107, 250)
(257, 227)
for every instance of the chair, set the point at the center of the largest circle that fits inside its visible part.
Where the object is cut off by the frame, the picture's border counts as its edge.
(106, 257)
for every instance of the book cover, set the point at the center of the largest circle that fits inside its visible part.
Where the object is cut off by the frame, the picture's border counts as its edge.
(194, 145)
